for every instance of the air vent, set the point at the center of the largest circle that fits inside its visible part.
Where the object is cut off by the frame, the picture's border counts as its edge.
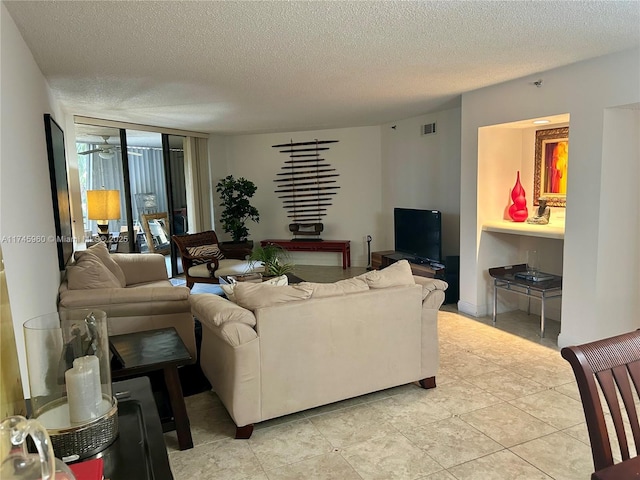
(429, 129)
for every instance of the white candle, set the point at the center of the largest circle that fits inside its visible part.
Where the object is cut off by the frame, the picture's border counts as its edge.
(91, 362)
(83, 397)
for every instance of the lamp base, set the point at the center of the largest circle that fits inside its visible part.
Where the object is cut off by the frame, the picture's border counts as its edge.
(103, 228)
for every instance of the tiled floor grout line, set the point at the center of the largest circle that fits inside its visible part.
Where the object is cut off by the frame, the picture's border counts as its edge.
(459, 356)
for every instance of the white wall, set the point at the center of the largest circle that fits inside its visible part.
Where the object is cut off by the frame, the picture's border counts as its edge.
(423, 171)
(380, 168)
(618, 280)
(26, 208)
(356, 207)
(583, 90)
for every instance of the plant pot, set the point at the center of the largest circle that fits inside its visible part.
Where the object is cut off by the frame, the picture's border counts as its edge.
(237, 250)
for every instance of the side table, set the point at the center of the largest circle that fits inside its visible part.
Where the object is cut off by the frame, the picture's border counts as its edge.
(150, 351)
(504, 278)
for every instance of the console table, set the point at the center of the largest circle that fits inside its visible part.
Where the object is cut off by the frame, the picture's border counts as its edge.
(340, 246)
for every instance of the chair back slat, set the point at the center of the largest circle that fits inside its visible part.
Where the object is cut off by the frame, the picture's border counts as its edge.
(605, 378)
(183, 242)
(195, 239)
(610, 362)
(633, 370)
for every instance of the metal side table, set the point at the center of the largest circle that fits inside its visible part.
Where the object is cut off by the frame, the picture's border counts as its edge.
(505, 278)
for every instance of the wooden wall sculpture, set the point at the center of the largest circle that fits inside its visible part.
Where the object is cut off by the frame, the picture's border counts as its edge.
(307, 185)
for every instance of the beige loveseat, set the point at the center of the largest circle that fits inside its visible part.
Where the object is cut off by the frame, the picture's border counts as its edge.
(134, 290)
(301, 346)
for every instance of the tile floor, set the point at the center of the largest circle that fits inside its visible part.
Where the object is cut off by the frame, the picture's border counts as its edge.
(506, 407)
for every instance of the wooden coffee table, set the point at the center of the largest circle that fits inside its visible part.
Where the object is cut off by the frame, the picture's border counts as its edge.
(145, 352)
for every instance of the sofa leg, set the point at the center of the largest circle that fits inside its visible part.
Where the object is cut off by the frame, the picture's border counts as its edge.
(428, 382)
(244, 433)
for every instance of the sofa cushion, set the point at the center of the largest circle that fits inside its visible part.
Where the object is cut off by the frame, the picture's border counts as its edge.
(100, 250)
(210, 308)
(341, 287)
(89, 272)
(226, 266)
(228, 288)
(395, 275)
(211, 250)
(258, 295)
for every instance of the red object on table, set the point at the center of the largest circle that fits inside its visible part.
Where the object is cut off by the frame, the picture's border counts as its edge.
(89, 469)
(518, 209)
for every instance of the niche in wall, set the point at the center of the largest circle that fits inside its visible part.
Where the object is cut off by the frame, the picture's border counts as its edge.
(503, 150)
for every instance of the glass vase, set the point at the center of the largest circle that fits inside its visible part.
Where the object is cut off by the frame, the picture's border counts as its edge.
(70, 380)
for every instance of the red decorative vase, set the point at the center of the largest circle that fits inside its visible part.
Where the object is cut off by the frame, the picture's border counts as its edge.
(518, 210)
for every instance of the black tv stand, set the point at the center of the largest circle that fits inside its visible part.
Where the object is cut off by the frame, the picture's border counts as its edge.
(419, 260)
(422, 267)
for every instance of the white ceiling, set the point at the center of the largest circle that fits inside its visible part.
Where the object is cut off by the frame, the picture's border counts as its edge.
(247, 67)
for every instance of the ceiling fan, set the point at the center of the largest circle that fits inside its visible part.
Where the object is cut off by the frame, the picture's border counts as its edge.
(106, 150)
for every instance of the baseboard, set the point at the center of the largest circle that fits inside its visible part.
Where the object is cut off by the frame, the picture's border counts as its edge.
(472, 309)
(565, 340)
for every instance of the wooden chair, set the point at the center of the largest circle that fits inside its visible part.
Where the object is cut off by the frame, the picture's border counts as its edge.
(612, 362)
(208, 268)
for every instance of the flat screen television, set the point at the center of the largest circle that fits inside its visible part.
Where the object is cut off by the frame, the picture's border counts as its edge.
(418, 233)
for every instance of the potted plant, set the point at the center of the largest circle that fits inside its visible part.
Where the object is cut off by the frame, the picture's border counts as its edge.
(272, 256)
(236, 208)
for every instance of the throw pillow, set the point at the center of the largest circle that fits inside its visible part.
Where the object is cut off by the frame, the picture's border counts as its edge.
(89, 272)
(212, 250)
(341, 287)
(229, 288)
(101, 251)
(396, 274)
(259, 295)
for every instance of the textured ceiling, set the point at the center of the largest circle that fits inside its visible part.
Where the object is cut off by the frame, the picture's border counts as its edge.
(240, 67)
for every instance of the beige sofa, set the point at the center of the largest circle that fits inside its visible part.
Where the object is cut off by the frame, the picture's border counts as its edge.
(134, 290)
(305, 345)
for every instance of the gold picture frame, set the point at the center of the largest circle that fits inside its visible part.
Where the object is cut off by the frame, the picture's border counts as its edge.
(156, 229)
(550, 170)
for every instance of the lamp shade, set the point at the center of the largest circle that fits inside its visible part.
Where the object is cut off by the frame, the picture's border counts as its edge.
(103, 204)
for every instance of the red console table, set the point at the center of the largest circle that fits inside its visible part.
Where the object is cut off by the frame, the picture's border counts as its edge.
(340, 246)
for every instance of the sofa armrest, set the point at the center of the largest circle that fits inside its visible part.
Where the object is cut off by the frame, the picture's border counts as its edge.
(229, 321)
(141, 268)
(432, 291)
(114, 296)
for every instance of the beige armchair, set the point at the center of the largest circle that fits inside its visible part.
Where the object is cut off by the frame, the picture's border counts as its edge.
(132, 288)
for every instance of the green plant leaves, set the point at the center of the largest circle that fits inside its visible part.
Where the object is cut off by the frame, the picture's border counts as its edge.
(236, 208)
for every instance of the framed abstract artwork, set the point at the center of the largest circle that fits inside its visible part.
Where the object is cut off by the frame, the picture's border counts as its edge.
(59, 189)
(550, 170)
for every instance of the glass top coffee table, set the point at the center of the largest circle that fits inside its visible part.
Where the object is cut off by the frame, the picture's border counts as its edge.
(255, 278)
(544, 286)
